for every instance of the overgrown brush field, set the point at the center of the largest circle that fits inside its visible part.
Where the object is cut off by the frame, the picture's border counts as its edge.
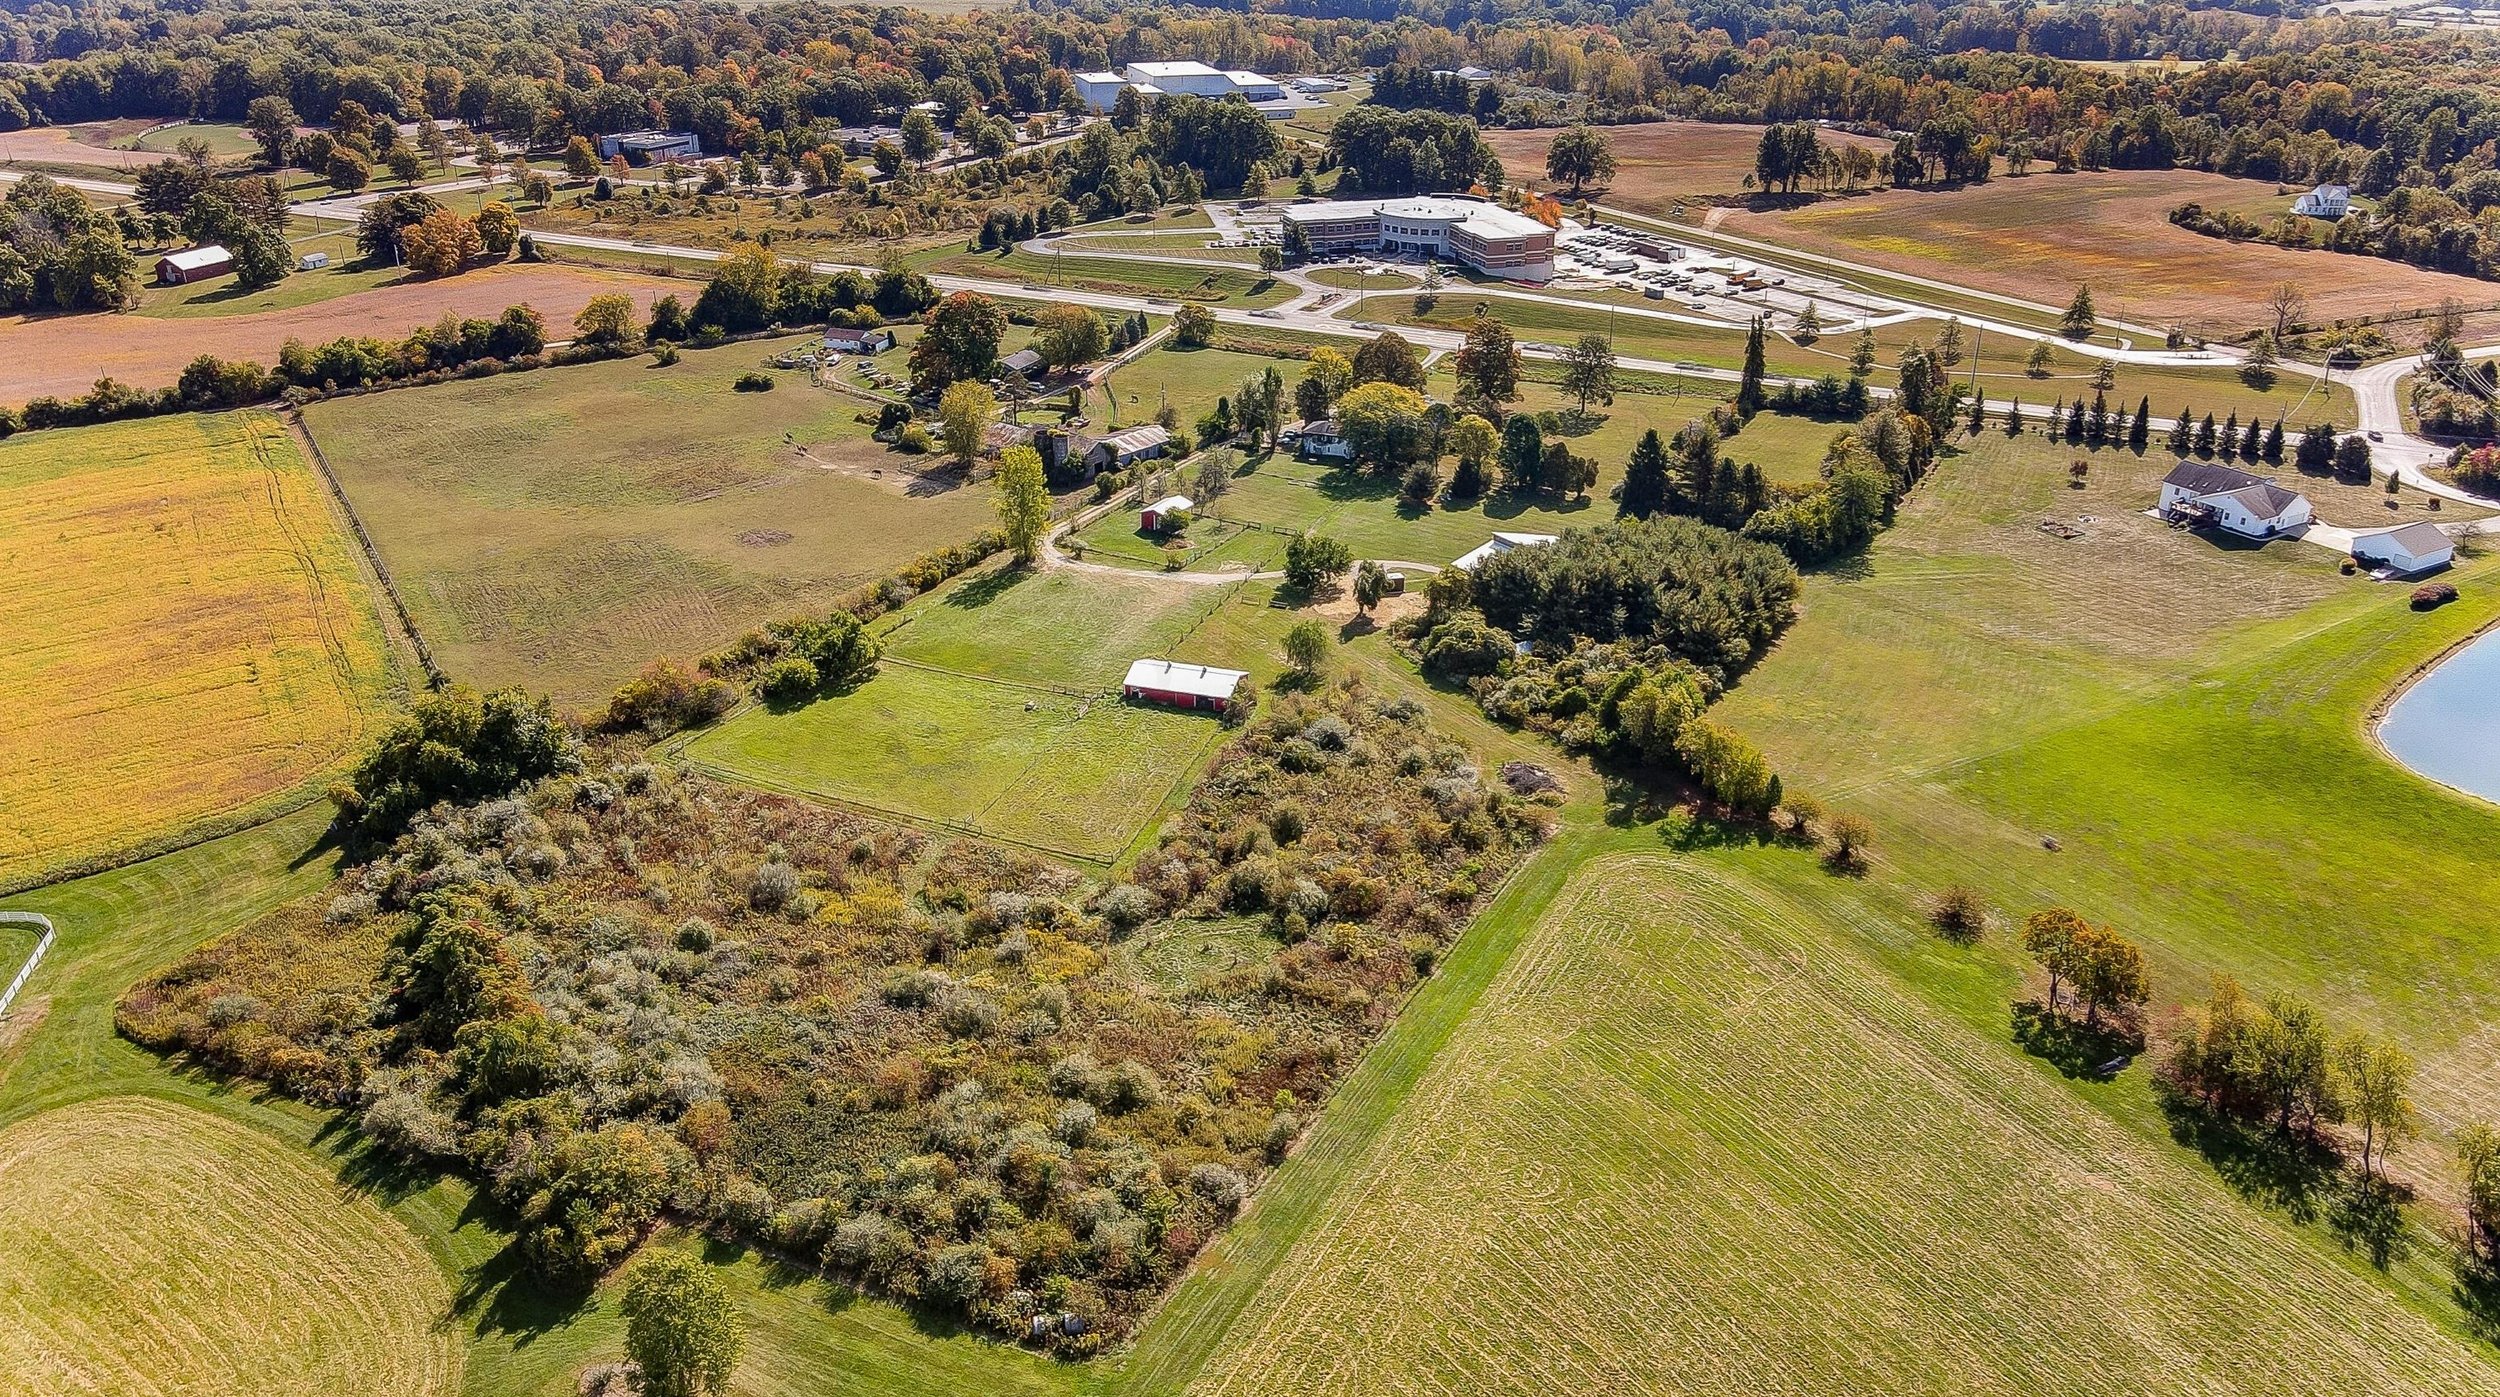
(1694, 1138)
(190, 635)
(560, 529)
(147, 1246)
(2039, 236)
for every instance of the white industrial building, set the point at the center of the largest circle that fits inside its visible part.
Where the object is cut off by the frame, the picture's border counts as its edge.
(1476, 232)
(1185, 77)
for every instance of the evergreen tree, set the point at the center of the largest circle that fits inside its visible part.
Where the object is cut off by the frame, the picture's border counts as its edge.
(2096, 427)
(1644, 489)
(1697, 467)
(1978, 415)
(2316, 453)
(2140, 432)
(2074, 421)
(2205, 436)
(2227, 443)
(2080, 319)
(1862, 357)
(2273, 451)
(1749, 387)
(2014, 419)
(2182, 434)
(2252, 441)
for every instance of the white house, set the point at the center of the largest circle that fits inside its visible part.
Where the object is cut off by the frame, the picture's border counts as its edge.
(1320, 437)
(1497, 545)
(2325, 201)
(2206, 494)
(2407, 549)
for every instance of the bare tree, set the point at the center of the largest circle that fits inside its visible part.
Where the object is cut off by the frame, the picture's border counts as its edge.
(2287, 304)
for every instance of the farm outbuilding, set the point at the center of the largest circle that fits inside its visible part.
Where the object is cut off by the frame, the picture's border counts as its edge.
(1181, 685)
(1028, 362)
(193, 264)
(1150, 520)
(2407, 550)
(1494, 547)
(842, 339)
(1120, 448)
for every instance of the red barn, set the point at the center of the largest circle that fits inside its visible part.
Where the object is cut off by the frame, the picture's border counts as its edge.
(1181, 685)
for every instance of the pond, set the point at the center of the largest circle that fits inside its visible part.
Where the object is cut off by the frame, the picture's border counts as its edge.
(2447, 726)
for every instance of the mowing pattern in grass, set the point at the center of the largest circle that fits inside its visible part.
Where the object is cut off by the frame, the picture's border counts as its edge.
(149, 1247)
(1690, 1143)
(560, 529)
(998, 713)
(189, 635)
(1073, 776)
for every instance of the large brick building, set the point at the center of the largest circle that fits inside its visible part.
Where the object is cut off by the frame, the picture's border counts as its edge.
(1482, 235)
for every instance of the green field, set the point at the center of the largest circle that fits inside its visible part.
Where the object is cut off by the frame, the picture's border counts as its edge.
(1154, 280)
(1188, 381)
(1077, 777)
(559, 529)
(224, 140)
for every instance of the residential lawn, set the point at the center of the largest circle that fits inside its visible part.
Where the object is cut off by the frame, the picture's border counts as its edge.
(191, 636)
(1210, 545)
(1070, 628)
(1285, 497)
(1188, 381)
(560, 529)
(1073, 776)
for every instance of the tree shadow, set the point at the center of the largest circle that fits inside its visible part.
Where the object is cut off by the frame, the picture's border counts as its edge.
(2367, 1215)
(2289, 1171)
(2477, 1293)
(981, 590)
(2085, 1052)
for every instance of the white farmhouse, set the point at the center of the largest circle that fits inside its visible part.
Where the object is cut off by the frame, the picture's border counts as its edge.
(2408, 549)
(2325, 201)
(2205, 494)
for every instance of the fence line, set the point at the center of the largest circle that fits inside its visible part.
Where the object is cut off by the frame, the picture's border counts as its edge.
(42, 944)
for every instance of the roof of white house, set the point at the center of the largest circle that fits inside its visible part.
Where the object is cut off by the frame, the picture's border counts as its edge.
(2264, 500)
(2209, 477)
(1198, 681)
(191, 259)
(1185, 68)
(2421, 538)
(1171, 502)
(1497, 545)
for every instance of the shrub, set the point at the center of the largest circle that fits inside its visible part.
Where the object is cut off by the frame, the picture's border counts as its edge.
(667, 696)
(1126, 906)
(787, 680)
(1847, 837)
(771, 887)
(753, 383)
(2431, 595)
(1959, 913)
(1220, 1185)
(664, 354)
(915, 440)
(455, 745)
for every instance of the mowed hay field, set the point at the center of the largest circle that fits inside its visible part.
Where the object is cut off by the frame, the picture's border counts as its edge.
(1693, 1139)
(2040, 236)
(148, 1247)
(63, 355)
(560, 529)
(1659, 164)
(997, 712)
(189, 633)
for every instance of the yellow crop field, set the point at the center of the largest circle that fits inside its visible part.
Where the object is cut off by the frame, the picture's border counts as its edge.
(153, 1248)
(188, 634)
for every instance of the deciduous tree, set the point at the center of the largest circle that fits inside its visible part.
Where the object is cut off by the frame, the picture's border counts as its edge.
(680, 1328)
(1022, 498)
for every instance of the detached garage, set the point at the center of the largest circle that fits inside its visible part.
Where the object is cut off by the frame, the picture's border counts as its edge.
(2412, 548)
(193, 264)
(1180, 685)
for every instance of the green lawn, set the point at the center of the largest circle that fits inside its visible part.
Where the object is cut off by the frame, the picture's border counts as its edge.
(224, 140)
(562, 528)
(1188, 381)
(1077, 777)
(1245, 288)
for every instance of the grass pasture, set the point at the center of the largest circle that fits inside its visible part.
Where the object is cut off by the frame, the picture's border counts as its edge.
(560, 529)
(2037, 237)
(1694, 1139)
(147, 1246)
(224, 139)
(1073, 776)
(191, 635)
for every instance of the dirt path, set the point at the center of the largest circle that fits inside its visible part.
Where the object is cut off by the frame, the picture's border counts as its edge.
(63, 355)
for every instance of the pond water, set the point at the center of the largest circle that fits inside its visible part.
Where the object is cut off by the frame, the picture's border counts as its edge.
(2447, 726)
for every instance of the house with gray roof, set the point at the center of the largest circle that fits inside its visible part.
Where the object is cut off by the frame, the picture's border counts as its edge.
(2208, 494)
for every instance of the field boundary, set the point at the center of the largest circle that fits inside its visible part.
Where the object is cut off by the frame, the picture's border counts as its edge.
(302, 432)
(43, 943)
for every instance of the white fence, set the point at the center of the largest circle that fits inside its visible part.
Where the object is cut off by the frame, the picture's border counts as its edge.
(42, 945)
